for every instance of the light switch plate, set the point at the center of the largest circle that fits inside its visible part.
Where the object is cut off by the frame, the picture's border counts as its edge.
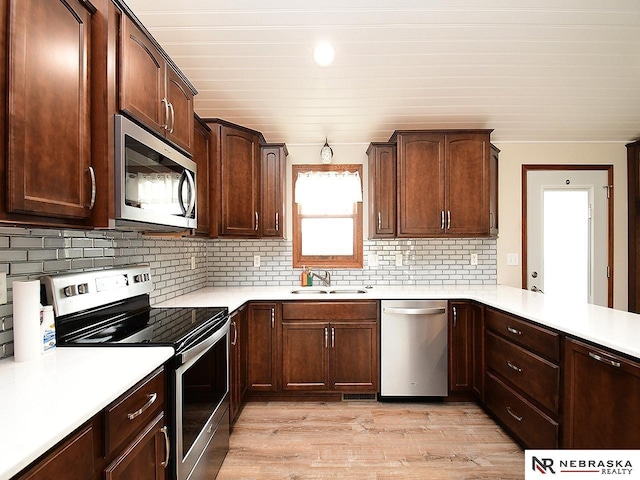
(256, 260)
(512, 259)
(193, 263)
(373, 260)
(474, 259)
(398, 259)
(3, 288)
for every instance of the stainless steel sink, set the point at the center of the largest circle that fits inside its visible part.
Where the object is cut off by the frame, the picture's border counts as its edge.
(308, 290)
(348, 290)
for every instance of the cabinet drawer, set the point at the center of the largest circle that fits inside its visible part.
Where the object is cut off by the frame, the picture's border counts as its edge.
(521, 418)
(535, 376)
(128, 415)
(542, 341)
(330, 311)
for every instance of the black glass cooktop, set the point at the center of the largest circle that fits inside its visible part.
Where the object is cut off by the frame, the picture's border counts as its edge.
(137, 324)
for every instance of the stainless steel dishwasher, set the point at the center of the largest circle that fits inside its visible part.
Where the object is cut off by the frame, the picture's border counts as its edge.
(414, 348)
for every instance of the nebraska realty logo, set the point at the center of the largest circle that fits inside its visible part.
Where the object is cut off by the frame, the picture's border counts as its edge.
(589, 464)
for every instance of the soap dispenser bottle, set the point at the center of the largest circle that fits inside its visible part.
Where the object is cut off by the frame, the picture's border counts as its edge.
(303, 276)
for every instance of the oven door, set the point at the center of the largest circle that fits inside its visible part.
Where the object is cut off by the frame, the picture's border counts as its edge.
(202, 407)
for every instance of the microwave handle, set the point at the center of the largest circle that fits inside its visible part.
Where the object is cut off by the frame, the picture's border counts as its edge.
(186, 211)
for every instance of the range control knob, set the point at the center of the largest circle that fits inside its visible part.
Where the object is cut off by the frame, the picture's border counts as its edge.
(70, 291)
(83, 288)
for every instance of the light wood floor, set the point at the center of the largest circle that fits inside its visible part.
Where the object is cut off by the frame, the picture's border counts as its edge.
(369, 440)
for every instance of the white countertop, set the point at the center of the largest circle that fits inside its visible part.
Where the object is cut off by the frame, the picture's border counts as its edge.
(610, 328)
(44, 400)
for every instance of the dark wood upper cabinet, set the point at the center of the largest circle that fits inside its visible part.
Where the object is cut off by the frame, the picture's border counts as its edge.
(444, 183)
(151, 89)
(493, 191)
(382, 190)
(239, 182)
(272, 191)
(48, 167)
(201, 155)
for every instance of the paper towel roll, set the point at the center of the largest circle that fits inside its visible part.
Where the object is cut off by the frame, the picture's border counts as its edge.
(26, 321)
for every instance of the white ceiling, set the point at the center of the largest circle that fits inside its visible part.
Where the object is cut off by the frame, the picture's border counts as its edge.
(533, 70)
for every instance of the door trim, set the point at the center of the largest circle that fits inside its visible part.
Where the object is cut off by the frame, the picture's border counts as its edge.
(609, 170)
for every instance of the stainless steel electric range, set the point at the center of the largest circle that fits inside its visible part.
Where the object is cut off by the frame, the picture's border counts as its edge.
(112, 308)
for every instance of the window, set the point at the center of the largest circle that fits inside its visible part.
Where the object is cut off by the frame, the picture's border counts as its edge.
(327, 216)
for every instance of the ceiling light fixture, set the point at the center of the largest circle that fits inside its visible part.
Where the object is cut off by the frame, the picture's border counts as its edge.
(324, 53)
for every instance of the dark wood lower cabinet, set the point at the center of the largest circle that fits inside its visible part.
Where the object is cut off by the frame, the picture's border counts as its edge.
(237, 362)
(601, 395)
(146, 458)
(262, 347)
(330, 347)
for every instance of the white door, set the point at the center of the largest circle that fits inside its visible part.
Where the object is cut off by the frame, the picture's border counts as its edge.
(567, 234)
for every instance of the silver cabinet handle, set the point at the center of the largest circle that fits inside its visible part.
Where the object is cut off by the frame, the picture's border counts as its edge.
(441, 219)
(92, 201)
(277, 222)
(167, 447)
(455, 316)
(151, 398)
(379, 221)
(514, 331)
(333, 337)
(517, 417)
(608, 361)
(326, 337)
(173, 117)
(514, 367)
(256, 221)
(273, 318)
(165, 102)
(448, 219)
(490, 219)
(235, 334)
(415, 311)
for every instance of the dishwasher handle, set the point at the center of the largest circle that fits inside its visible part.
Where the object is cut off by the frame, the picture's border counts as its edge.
(416, 311)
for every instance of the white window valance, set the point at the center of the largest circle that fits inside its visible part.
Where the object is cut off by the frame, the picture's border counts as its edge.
(343, 187)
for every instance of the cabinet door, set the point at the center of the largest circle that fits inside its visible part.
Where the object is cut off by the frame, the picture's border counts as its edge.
(262, 347)
(493, 191)
(201, 146)
(467, 184)
(272, 191)
(49, 150)
(305, 357)
(146, 458)
(421, 186)
(633, 192)
(142, 78)
(354, 356)
(73, 458)
(180, 125)
(460, 347)
(240, 183)
(478, 353)
(382, 191)
(601, 392)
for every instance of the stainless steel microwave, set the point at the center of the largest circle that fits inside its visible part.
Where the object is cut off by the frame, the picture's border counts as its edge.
(155, 184)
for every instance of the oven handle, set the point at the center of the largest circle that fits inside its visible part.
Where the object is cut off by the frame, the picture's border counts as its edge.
(199, 349)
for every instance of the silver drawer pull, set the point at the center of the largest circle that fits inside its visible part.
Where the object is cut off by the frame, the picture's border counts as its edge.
(514, 331)
(517, 417)
(415, 311)
(514, 367)
(608, 361)
(152, 398)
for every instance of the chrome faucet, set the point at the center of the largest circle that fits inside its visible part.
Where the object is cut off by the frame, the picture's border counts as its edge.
(326, 279)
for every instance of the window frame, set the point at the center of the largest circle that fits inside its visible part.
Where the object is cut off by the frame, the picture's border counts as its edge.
(326, 261)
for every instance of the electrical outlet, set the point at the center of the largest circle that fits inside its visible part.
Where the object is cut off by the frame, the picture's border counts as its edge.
(256, 260)
(512, 259)
(193, 263)
(373, 260)
(3, 288)
(474, 259)
(398, 259)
